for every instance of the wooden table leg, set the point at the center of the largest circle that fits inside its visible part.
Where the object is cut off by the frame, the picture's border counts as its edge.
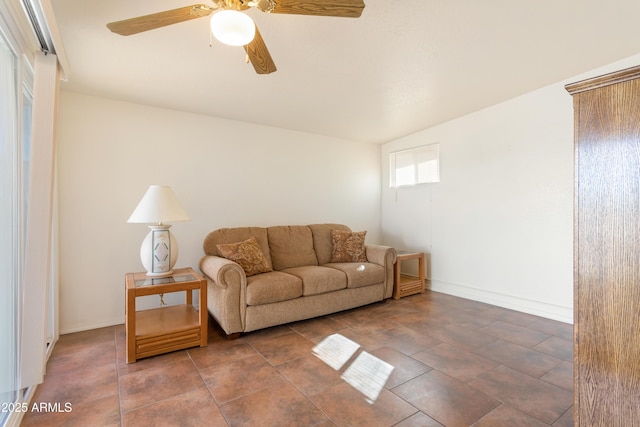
(130, 325)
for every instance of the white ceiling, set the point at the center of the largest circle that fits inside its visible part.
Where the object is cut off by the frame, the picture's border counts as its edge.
(403, 66)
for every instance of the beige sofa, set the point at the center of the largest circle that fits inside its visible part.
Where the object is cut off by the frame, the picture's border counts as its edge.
(287, 274)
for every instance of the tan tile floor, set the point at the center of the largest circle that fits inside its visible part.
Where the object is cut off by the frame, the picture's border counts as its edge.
(456, 363)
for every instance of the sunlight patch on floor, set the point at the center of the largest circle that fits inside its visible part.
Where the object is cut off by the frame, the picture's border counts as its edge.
(336, 350)
(367, 373)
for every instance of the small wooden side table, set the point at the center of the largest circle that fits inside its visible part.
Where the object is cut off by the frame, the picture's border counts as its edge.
(405, 285)
(167, 328)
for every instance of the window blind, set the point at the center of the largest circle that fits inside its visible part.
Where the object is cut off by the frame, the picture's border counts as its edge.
(418, 165)
(9, 224)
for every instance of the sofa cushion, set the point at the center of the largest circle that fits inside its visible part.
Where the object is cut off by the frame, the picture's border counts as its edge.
(318, 280)
(247, 254)
(291, 246)
(272, 287)
(348, 246)
(360, 274)
(322, 240)
(237, 234)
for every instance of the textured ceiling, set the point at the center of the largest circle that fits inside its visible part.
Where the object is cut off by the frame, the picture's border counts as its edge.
(403, 66)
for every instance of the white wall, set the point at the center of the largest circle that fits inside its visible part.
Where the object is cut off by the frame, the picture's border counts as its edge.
(498, 227)
(225, 174)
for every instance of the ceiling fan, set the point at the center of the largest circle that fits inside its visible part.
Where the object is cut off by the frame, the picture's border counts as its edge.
(254, 45)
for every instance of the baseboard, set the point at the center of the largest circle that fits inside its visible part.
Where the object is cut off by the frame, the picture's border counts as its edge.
(542, 309)
(92, 326)
(546, 310)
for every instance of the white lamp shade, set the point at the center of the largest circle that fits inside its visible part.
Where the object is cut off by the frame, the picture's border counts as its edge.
(159, 205)
(232, 27)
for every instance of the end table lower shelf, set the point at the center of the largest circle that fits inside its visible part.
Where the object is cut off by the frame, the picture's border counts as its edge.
(405, 285)
(165, 329)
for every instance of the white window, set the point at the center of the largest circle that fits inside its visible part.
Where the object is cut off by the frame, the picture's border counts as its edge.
(418, 165)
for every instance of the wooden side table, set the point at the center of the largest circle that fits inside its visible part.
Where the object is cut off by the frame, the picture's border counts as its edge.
(168, 328)
(405, 285)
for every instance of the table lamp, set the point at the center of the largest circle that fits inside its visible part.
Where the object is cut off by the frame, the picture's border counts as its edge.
(159, 250)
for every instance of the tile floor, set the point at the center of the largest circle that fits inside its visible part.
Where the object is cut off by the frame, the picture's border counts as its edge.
(456, 363)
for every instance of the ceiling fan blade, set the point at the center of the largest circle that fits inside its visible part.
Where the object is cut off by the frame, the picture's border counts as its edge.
(259, 55)
(342, 8)
(157, 20)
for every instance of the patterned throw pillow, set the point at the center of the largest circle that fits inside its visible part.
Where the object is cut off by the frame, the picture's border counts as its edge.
(248, 254)
(348, 246)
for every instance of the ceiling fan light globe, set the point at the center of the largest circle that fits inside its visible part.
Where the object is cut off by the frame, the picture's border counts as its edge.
(232, 27)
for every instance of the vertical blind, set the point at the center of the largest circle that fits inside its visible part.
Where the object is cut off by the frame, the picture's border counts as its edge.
(9, 224)
(37, 264)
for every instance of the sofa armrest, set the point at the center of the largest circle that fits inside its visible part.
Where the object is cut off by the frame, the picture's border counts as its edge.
(226, 292)
(386, 257)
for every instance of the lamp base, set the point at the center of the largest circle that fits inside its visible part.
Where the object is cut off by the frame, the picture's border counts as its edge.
(159, 251)
(160, 275)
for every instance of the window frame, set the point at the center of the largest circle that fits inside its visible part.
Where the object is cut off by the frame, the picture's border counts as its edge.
(412, 159)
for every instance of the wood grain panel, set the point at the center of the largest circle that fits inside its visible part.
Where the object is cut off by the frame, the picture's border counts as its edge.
(607, 251)
(339, 8)
(259, 55)
(140, 24)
